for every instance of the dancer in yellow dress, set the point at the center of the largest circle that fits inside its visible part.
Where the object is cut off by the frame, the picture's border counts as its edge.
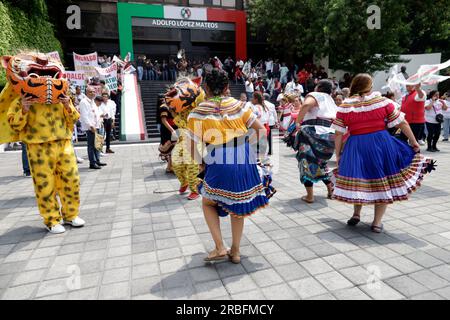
(35, 109)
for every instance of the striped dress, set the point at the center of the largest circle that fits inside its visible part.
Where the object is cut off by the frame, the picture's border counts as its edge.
(374, 166)
(232, 178)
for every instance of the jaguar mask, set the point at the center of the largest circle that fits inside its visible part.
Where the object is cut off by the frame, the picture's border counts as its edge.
(35, 75)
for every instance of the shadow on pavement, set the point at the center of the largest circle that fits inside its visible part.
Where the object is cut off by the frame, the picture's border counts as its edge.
(16, 236)
(192, 279)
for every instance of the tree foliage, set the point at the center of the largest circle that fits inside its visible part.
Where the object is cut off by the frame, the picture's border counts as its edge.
(338, 29)
(25, 29)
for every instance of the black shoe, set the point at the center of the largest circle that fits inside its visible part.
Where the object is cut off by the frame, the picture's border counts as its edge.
(94, 167)
(436, 149)
(431, 150)
(101, 164)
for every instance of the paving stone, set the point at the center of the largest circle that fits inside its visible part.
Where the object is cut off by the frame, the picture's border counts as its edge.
(339, 261)
(280, 291)
(427, 296)
(116, 275)
(267, 277)
(29, 277)
(291, 271)
(307, 287)
(381, 291)
(406, 286)
(403, 264)
(249, 295)
(333, 281)
(210, 290)
(206, 273)
(120, 290)
(20, 292)
(85, 294)
(302, 254)
(351, 294)
(429, 279)
(316, 266)
(444, 292)
(239, 283)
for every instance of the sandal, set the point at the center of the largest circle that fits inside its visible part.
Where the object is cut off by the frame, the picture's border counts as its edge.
(306, 200)
(234, 258)
(377, 229)
(354, 221)
(215, 256)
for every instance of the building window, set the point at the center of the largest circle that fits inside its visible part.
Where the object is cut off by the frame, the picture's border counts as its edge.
(229, 3)
(196, 2)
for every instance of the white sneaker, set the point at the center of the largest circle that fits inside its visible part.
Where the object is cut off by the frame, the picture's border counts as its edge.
(56, 229)
(79, 160)
(421, 142)
(77, 222)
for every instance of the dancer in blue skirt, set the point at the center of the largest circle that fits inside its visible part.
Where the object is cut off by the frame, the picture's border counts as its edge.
(232, 183)
(374, 168)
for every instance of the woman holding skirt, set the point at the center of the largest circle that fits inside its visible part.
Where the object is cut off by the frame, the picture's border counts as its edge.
(374, 168)
(231, 181)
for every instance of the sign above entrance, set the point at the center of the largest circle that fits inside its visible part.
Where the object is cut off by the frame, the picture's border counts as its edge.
(127, 12)
(182, 24)
(198, 14)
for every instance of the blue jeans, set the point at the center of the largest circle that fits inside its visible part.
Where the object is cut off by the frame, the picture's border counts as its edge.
(173, 74)
(151, 74)
(165, 75)
(25, 164)
(446, 127)
(140, 71)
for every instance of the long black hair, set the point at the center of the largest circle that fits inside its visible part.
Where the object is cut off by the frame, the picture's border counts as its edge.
(217, 81)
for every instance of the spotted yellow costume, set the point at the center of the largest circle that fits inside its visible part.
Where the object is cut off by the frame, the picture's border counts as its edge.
(46, 129)
(183, 165)
(182, 98)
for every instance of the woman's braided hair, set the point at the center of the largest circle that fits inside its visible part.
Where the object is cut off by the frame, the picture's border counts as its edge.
(217, 81)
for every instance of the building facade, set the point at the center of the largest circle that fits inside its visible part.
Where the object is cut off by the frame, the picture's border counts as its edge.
(157, 29)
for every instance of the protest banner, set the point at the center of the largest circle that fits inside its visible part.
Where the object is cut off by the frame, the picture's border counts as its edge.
(54, 55)
(76, 78)
(109, 75)
(86, 63)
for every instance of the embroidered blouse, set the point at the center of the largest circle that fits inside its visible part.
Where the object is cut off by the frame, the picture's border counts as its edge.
(220, 122)
(362, 115)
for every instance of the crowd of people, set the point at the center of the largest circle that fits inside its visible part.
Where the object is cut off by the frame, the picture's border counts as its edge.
(373, 166)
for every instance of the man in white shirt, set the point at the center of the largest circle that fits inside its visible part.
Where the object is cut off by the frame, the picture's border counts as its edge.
(249, 88)
(273, 119)
(89, 123)
(79, 95)
(294, 87)
(269, 68)
(108, 110)
(283, 74)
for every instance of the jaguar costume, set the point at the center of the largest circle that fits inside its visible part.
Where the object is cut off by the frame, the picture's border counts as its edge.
(182, 98)
(46, 129)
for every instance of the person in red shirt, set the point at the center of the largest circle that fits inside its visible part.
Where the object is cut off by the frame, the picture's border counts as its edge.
(303, 75)
(413, 106)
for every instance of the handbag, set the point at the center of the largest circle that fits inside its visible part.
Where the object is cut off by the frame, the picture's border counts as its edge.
(439, 116)
(99, 141)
